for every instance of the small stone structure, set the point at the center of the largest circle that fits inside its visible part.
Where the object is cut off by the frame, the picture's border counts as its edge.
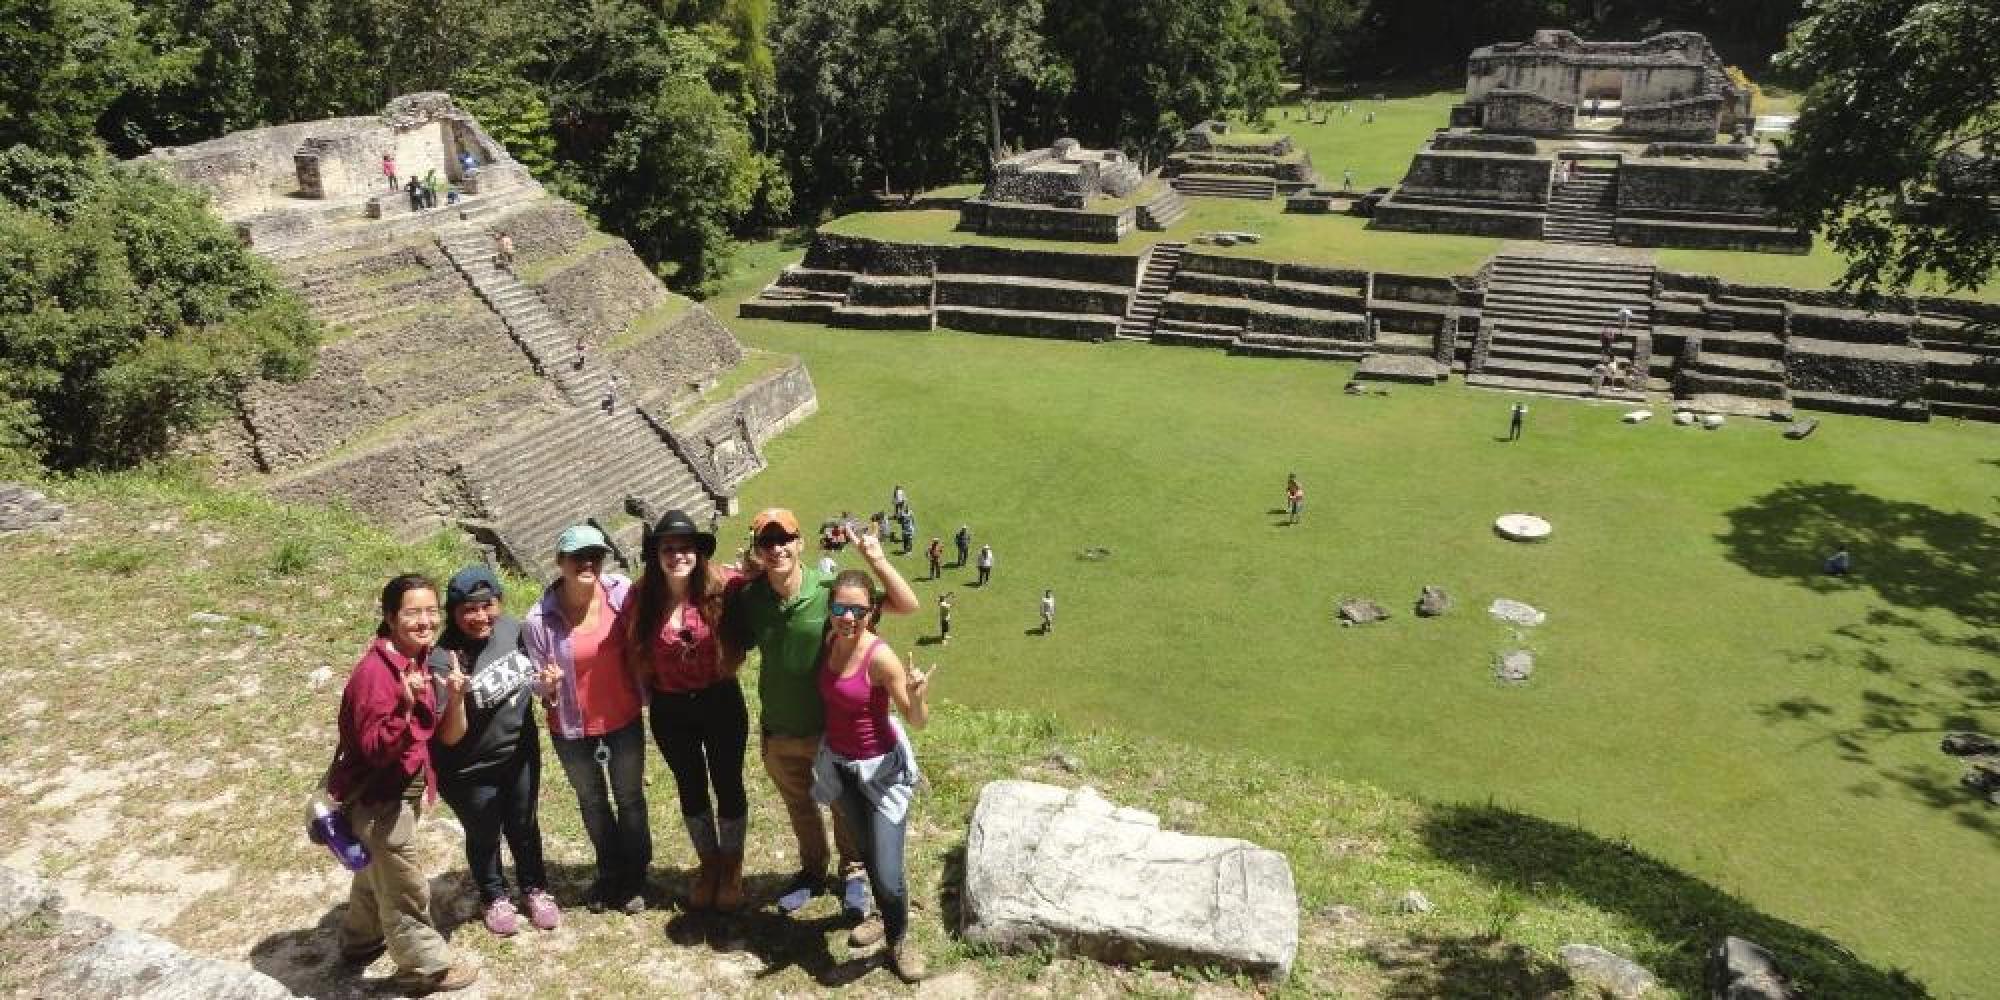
(1636, 128)
(1051, 867)
(1213, 160)
(1067, 192)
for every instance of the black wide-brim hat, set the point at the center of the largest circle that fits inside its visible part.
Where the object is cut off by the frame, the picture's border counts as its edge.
(678, 523)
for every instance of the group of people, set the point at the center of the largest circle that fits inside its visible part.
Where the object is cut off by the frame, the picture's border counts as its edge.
(440, 705)
(426, 191)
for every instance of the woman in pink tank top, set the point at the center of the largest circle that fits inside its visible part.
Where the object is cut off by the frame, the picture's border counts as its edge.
(865, 761)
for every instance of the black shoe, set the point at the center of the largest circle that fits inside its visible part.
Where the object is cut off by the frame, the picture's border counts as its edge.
(598, 896)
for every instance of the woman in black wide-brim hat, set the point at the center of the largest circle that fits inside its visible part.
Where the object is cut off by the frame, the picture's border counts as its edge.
(699, 719)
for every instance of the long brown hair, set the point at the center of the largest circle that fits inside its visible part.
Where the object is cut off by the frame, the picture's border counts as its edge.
(650, 596)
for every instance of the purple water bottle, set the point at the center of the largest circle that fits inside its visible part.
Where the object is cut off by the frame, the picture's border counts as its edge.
(328, 826)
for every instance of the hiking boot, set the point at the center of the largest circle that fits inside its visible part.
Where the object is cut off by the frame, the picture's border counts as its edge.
(907, 961)
(802, 888)
(854, 897)
(542, 910)
(417, 984)
(702, 895)
(501, 918)
(729, 882)
(632, 905)
(866, 933)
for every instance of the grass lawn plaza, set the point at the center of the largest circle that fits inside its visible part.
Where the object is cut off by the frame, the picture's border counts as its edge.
(1379, 154)
(1701, 692)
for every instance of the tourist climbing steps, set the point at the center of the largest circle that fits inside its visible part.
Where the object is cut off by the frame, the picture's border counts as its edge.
(548, 342)
(1544, 317)
(1584, 210)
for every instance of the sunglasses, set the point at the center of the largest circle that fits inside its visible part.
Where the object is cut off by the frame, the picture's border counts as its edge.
(772, 540)
(677, 549)
(835, 609)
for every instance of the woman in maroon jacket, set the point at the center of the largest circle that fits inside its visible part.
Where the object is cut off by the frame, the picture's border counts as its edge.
(382, 775)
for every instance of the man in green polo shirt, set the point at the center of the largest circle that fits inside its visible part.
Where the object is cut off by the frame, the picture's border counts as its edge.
(783, 614)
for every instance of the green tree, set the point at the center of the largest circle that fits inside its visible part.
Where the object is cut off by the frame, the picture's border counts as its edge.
(62, 65)
(128, 313)
(1905, 94)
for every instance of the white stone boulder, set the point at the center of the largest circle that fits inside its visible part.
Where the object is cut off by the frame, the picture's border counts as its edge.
(1712, 421)
(1522, 527)
(1684, 418)
(133, 964)
(1638, 416)
(1050, 867)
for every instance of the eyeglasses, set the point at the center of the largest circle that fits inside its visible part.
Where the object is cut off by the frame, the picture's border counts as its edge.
(419, 615)
(774, 540)
(835, 609)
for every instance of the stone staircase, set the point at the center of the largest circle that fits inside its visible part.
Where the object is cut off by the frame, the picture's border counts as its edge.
(1963, 369)
(1737, 364)
(1583, 211)
(1543, 317)
(549, 344)
(800, 295)
(1154, 282)
(574, 463)
(1165, 209)
(1227, 186)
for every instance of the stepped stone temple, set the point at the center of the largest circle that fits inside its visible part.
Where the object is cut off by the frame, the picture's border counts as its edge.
(1644, 143)
(1067, 192)
(454, 390)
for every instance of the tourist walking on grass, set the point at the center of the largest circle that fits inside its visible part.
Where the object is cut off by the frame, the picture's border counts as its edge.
(575, 636)
(1295, 498)
(783, 614)
(1515, 418)
(1048, 611)
(699, 718)
(935, 554)
(944, 618)
(488, 758)
(964, 542)
(906, 522)
(985, 564)
(865, 762)
(382, 776)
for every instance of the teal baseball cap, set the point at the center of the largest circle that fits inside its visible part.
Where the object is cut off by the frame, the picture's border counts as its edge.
(579, 537)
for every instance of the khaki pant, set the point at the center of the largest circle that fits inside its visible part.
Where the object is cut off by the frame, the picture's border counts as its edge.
(391, 899)
(789, 762)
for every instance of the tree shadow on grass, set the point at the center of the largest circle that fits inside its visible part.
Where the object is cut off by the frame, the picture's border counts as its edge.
(1685, 915)
(1459, 967)
(1910, 554)
(1916, 559)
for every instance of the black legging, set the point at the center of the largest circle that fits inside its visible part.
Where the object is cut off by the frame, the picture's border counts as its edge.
(704, 735)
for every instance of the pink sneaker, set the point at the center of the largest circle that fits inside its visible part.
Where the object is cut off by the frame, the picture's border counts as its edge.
(542, 910)
(501, 918)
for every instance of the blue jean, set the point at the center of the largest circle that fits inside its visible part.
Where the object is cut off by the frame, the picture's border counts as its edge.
(881, 844)
(612, 798)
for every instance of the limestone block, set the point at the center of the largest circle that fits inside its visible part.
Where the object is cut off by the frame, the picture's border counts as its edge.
(131, 964)
(1613, 974)
(22, 895)
(1048, 866)
(1740, 969)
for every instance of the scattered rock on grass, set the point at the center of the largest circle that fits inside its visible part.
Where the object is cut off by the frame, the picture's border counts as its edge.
(22, 508)
(1357, 611)
(1984, 778)
(1514, 612)
(1592, 966)
(1969, 744)
(1637, 416)
(1683, 418)
(1432, 602)
(1515, 667)
(1415, 902)
(208, 618)
(1050, 867)
(1801, 430)
(22, 895)
(1740, 969)
(1712, 421)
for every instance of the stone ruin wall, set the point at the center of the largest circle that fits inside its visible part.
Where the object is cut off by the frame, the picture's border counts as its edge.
(246, 173)
(1673, 185)
(1671, 84)
(1529, 113)
(1498, 177)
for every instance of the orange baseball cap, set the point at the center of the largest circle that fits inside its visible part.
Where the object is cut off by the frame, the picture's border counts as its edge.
(774, 515)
